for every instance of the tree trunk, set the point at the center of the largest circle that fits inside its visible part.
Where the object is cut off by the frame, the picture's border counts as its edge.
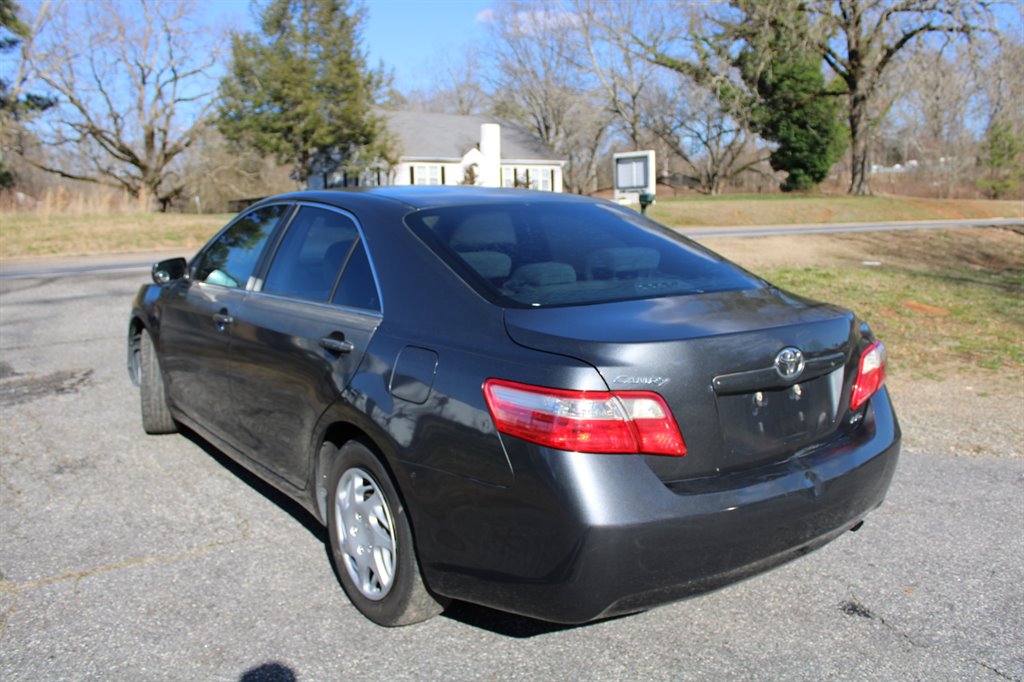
(149, 195)
(860, 166)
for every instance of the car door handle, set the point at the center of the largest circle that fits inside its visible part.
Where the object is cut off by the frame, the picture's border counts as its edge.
(222, 320)
(336, 345)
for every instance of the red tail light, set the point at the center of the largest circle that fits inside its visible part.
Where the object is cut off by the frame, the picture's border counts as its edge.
(870, 375)
(585, 421)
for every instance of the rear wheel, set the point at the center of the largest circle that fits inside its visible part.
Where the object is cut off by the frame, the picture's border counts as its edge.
(156, 416)
(372, 544)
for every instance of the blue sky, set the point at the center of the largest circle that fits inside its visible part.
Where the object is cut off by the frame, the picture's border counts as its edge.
(410, 36)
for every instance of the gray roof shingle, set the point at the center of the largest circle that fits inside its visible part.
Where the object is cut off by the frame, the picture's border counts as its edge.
(444, 137)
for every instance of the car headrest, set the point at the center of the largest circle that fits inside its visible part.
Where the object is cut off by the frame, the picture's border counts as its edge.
(482, 230)
(545, 274)
(488, 264)
(624, 259)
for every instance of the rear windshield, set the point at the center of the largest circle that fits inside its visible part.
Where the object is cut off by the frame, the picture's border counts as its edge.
(551, 254)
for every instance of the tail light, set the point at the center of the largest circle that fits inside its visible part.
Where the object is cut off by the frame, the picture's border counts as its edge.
(870, 375)
(585, 421)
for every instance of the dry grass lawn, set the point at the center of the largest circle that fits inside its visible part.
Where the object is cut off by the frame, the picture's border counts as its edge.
(42, 234)
(779, 209)
(28, 235)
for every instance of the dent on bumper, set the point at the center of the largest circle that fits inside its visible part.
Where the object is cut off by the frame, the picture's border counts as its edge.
(583, 537)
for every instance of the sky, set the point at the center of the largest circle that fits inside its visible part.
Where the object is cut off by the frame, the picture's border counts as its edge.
(411, 37)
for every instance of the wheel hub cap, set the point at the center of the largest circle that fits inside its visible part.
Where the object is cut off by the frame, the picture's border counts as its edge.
(367, 536)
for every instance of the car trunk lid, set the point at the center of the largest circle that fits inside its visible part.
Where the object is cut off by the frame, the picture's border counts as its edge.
(713, 358)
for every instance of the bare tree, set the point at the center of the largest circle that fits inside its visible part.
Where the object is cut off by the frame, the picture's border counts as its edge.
(1004, 78)
(541, 83)
(455, 88)
(458, 86)
(932, 117)
(536, 77)
(860, 40)
(624, 79)
(218, 171)
(133, 88)
(668, 80)
(713, 147)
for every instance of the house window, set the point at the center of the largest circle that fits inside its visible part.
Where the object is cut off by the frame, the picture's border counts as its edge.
(371, 177)
(544, 179)
(515, 176)
(526, 176)
(426, 174)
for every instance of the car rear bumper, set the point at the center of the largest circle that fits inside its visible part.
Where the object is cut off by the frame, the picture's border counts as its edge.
(580, 537)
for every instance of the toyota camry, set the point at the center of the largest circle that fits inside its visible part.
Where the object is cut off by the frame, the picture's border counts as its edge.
(537, 402)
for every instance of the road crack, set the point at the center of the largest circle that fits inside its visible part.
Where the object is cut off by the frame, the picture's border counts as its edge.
(997, 671)
(12, 588)
(855, 607)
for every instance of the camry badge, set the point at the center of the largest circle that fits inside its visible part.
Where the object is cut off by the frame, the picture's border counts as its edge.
(789, 363)
(649, 381)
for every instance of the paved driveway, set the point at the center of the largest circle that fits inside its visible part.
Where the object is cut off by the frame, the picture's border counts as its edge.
(124, 556)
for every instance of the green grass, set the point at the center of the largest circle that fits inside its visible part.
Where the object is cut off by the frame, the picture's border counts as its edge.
(773, 209)
(929, 318)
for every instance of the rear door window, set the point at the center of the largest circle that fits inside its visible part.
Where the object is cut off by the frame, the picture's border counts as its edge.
(311, 255)
(357, 287)
(551, 254)
(231, 258)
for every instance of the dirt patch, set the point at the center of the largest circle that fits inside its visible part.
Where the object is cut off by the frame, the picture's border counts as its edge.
(993, 248)
(6, 371)
(925, 309)
(962, 414)
(14, 391)
(762, 253)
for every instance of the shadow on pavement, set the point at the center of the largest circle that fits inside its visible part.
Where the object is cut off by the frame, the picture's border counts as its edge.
(287, 504)
(498, 622)
(269, 672)
(501, 623)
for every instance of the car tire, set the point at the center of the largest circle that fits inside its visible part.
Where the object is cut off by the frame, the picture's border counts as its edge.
(156, 415)
(371, 542)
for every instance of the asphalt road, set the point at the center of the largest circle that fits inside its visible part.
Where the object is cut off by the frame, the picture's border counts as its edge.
(130, 557)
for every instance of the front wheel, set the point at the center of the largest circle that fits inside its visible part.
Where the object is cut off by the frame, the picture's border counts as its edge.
(371, 542)
(156, 416)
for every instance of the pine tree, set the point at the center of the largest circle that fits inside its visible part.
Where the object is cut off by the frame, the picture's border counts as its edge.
(15, 106)
(1001, 159)
(792, 106)
(301, 90)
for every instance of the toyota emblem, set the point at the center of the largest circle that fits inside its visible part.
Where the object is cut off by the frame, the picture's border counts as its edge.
(789, 363)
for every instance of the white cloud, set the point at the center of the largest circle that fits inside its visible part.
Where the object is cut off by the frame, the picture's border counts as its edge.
(485, 16)
(529, 22)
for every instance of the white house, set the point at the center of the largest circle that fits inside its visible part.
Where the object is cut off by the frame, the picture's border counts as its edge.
(447, 149)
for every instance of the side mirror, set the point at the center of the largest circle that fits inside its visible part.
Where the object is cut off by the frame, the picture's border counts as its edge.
(169, 270)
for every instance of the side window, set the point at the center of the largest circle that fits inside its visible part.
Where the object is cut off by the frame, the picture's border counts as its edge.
(232, 257)
(312, 252)
(357, 288)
